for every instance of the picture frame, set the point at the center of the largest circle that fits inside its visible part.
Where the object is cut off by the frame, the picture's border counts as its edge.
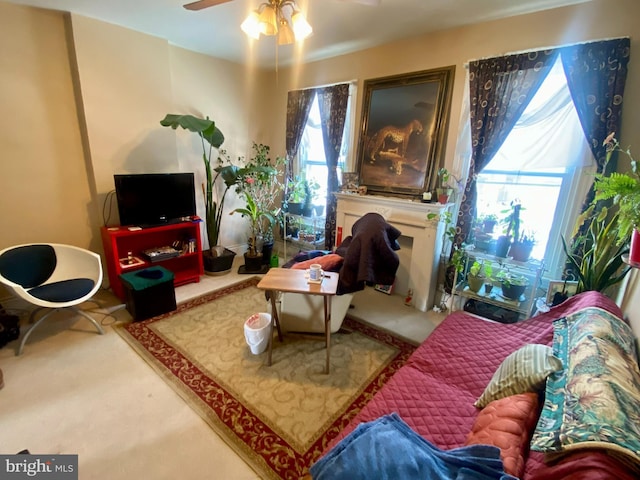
(404, 123)
(558, 286)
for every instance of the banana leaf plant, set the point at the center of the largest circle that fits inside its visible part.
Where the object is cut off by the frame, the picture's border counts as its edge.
(596, 256)
(211, 137)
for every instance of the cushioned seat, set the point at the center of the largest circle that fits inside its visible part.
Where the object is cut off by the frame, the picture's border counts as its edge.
(51, 276)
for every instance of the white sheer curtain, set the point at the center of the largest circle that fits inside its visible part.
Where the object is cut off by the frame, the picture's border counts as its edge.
(546, 135)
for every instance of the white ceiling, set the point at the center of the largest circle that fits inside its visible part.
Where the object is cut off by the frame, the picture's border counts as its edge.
(339, 26)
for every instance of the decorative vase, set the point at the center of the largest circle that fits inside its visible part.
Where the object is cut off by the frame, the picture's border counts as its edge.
(634, 249)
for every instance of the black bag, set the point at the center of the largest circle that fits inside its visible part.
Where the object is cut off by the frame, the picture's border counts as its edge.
(9, 328)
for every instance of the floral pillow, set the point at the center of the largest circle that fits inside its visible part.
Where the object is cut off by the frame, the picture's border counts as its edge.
(594, 402)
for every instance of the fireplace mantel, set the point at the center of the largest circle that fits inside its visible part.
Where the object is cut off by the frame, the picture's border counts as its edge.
(410, 217)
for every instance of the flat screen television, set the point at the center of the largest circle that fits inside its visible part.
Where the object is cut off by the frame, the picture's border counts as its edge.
(153, 199)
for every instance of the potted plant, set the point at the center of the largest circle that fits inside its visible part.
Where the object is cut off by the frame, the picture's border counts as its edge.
(216, 259)
(489, 222)
(475, 276)
(445, 190)
(295, 195)
(512, 224)
(262, 182)
(624, 190)
(488, 278)
(513, 285)
(253, 256)
(596, 256)
(521, 249)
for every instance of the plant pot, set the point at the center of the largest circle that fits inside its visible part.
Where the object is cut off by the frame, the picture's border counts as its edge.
(520, 251)
(267, 250)
(444, 194)
(295, 208)
(502, 246)
(307, 211)
(252, 263)
(218, 260)
(475, 282)
(488, 287)
(489, 225)
(318, 210)
(511, 291)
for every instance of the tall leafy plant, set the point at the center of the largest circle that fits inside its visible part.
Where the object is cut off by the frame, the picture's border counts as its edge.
(596, 256)
(211, 138)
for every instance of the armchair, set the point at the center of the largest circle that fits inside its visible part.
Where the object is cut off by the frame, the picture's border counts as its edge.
(51, 277)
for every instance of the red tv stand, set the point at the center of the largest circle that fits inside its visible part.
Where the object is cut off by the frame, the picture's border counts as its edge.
(120, 242)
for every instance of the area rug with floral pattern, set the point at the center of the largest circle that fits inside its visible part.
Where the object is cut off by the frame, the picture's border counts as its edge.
(278, 418)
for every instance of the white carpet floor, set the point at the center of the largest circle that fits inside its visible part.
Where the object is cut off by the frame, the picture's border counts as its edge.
(73, 391)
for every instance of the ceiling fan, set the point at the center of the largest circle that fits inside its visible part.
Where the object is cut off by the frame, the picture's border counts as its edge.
(200, 4)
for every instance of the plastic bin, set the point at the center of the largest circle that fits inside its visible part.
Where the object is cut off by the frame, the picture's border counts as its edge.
(256, 332)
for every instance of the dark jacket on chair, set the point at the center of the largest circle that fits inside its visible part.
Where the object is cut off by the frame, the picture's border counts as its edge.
(369, 254)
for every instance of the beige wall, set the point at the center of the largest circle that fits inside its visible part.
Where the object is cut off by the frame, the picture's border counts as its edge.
(44, 190)
(57, 166)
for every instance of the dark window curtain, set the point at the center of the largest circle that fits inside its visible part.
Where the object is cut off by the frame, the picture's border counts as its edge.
(596, 74)
(333, 103)
(500, 90)
(298, 106)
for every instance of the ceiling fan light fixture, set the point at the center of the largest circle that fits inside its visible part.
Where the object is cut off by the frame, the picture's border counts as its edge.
(301, 27)
(251, 25)
(269, 20)
(285, 34)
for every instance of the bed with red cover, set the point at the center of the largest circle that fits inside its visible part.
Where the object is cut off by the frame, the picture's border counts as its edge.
(434, 393)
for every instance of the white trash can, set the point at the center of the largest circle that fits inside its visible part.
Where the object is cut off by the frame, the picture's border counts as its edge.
(256, 332)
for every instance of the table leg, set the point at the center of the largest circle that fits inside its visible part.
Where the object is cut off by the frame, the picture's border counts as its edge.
(274, 321)
(327, 330)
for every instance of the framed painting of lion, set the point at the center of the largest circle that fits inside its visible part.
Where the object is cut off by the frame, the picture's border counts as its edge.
(404, 124)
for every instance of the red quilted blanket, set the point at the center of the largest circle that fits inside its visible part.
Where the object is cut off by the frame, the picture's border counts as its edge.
(435, 391)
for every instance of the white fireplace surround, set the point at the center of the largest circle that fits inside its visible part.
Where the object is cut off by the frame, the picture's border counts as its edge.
(410, 217)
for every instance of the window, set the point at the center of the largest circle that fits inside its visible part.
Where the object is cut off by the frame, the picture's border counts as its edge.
(543, 165)
(311, 157)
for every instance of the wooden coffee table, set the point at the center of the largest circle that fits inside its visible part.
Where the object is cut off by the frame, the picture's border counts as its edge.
(296, 281)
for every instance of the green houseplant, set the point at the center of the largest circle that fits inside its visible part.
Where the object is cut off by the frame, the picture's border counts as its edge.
(262, 182)
(476, 276)
(602, 235)
(253, 211)
(211, 138)
(221, 170)
(444, 190)
(624, 190)
(596, 256)
(513, 285)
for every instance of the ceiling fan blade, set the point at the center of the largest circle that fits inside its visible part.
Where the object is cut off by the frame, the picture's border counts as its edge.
(204, 4)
